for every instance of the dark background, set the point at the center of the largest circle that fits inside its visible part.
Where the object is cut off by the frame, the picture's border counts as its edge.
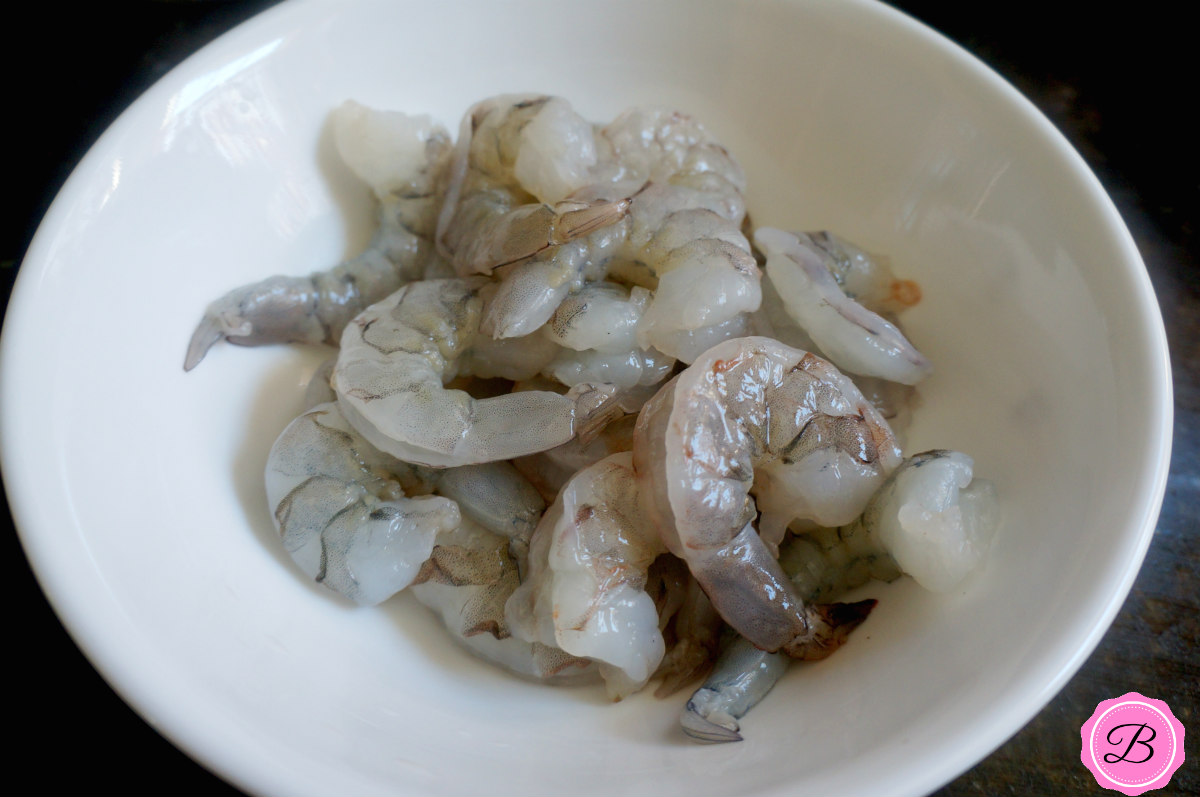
(1123, 89)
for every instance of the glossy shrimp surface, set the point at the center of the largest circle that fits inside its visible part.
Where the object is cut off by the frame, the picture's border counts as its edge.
(354, 519)
(562, 416)
(755, 416)
(930, 520)
(390, 380)
(585, 593)
(404, 160)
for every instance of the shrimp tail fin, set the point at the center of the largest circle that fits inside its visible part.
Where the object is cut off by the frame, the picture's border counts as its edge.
(596, 405)
(829, 626)
(703, 729)
(207, 333)
(574, 224)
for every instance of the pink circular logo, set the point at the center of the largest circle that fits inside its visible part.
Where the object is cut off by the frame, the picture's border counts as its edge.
(1132, 744)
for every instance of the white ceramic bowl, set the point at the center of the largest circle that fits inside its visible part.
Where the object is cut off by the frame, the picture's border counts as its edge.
(137, 487)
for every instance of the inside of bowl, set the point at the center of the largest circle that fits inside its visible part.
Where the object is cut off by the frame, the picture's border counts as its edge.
(846, 117)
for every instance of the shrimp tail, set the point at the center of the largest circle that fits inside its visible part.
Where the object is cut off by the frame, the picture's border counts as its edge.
(703, 729)
(203, 339)
(829, 626)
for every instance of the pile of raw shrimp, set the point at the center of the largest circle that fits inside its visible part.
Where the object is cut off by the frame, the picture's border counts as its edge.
(584, 418)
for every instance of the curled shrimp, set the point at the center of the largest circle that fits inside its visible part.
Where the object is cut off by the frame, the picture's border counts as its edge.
(356, 520)
(684, 240)
(931, 520)
(390, 375)
(404, 160)
(754, 415)
(852, 336)
(586, 590)
(865, 278)
(517, 162)
(475, 567)
(466, 582)
(663, 210)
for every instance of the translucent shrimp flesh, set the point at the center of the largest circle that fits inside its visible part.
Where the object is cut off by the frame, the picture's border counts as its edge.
(404, 159)
(853, 337)
(585, 592)
(390, 375)
(755, 416)
(352, 518)
(466, 581)
(931, 520)
(508, 432)
(653, 197)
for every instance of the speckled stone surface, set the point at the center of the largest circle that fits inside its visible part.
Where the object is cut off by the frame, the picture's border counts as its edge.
(1117, 87)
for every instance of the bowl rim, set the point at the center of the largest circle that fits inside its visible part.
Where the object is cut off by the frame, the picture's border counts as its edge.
(148, 695)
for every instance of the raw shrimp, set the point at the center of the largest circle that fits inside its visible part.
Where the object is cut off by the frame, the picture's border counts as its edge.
(389, 378)
(549, 470)
(741, 678)
(867, 279)
(693, 633)
(821, 565)
(364, 524)
(685, 240)
(343, 525)
(852, 336)
(466, 581)
(404, 159)
(588, 568)
(517, 161)
(663, 210)
(753, 414)
(930, 514)
(343, 509)
(597, 329)
(934, 519)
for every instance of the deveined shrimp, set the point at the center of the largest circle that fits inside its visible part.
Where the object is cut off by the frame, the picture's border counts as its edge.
(865, 278)
(849, 334)
(663, 210)
(930, 514)
(344, 511)
(466, 581)
(394, 361)
(517, 160)
(404, 159)
(753, 415)
(475, 567)
(549, 470)
(588, 567)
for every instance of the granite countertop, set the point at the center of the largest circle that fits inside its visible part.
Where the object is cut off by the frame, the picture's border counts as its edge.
(1117, 87)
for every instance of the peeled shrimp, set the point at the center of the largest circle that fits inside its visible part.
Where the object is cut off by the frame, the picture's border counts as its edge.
(934, 519)
(656, 199)
(517, 160)
(852, 336)
(404, 160)
(753, 415)
(549, 470)
(930, 519)
(867, 279)
(343, 509)
(685, 240)
(466, 581)
(389, 378)
(586, 587)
